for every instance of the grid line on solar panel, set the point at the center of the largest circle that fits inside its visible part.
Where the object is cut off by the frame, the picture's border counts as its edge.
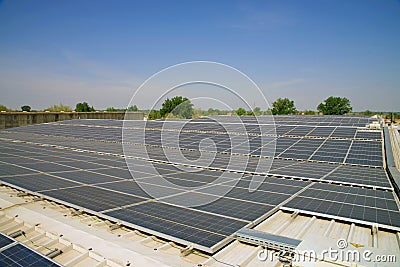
(346, 211)
(360, 175)
(39, 182)
(280, 173)
(357, 199)
(170, 228)
(260, 119)
(233, 208)
(93, 198)
(332, 151)
(371, 135)
(19, 255)
(5, 240)
(87, 177)
(111, 135)
(277, 151)
(349, 202)
(132, 188)
(180, 216)
(302, 149)
(237, 193)
(329, 158)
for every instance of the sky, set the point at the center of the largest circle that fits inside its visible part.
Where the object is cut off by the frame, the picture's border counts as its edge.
(101, 51)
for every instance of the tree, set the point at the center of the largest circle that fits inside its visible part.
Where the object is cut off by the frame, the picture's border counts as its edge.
(268, 112)
(154, 115)
(211, 112)
(310, 112)
(26, 108)
(368, 113)
(111, 109)
(335, 106)
(197, 113)
(283, 106)
(4, 108)
(241, 112)
(133, 108)
(257, 111)
(84, 107)
(59, 108)
(178, 106)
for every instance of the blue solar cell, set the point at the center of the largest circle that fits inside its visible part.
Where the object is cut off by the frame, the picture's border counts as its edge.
(20, 255)
(5, 240)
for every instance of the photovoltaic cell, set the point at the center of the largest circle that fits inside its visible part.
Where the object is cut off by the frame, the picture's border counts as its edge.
(302, 139)
(19, 255)
(201, 228)
(93, 198)
(38, 182)
(332, 151)
(5, 241)
(349, 202)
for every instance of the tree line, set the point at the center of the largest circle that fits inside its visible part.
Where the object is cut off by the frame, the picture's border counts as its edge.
(331, 106)
(80, 107)
(181, 107)
(284, 106)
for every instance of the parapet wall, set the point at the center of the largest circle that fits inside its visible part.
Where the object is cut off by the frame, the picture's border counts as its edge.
(16, 119)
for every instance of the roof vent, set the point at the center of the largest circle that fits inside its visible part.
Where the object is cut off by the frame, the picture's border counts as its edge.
(267, 240)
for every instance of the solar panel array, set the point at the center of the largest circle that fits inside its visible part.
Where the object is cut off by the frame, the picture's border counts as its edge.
(13, 253)
(329, 166)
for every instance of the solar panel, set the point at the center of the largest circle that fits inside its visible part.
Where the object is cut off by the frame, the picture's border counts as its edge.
(103, 184)
(38, 182)
(19, 255)
(360, 175)
(233, 208)
(302, 149)
(347, 202)
(321, 131)
(88, 177)
(186, 224)
(365, 153)
(332, 151)
(5, 240)
(93, 198)
(344, 133)
(7, 169)
(369, 135)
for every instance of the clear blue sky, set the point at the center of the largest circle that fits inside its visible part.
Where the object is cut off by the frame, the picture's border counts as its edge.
(100, 51)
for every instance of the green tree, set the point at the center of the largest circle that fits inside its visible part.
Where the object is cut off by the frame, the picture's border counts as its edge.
(154, 115)
(367, 113)
(4, 108)
(26, 108)
(257, 111)
(59, 108)
(133, 108)
(241, 112)
(283, 106)
(268, 112)
(84, 107)
(111, 109)
(212, 112)
(178, 106)
(335, 106)
(310, 112)
(197, 113)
